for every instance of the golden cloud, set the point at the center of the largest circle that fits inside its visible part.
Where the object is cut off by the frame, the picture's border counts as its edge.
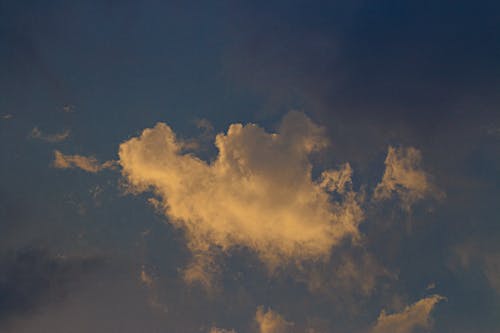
(404, 176)
(89, 164)
(257, 193)
(337, 180)
(413, 316)
(271, 322)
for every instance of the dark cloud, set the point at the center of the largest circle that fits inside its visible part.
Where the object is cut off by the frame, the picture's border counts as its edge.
(31, 278)
(381, 72)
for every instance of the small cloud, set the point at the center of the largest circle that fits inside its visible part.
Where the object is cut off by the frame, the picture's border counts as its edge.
(271, 322)
(148, 281)
(337, 180)
(404, 176)
(413, 316)
(220, 330)
(68, 108)
(36, 133)
(89, 164)
(145, 278)
(205, 125)
(6, 116)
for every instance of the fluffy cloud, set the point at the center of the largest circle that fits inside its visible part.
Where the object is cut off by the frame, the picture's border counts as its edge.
(404, 176)
(271, 322)
(89, 164)
(257, 193)
(36, 133)
(413, 316)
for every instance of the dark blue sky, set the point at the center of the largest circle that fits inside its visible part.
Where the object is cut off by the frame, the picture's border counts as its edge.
(74, 245)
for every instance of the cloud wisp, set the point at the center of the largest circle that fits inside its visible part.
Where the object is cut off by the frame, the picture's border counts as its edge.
(271, 322)
(36, 133)
(484, 256)
(86, 163)
(220, 330)
(413, 316)
(405, 177)
(258, 193)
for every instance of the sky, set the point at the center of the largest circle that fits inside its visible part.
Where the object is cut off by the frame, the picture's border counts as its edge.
(250, 167)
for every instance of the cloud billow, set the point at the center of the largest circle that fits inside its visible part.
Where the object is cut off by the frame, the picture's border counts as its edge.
(258, 192)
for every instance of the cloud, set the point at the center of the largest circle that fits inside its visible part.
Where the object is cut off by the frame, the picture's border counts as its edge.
(68, 108)
(271, 322)
(149, 281)
(31, 278)
(89, 164)
(205, 125)
(36, 133)
(267, 322)
(353, 272)
(337, 180)
(484, 255)
(146, 278)
(403, 175)
(413, 316)
(258, 192)
(221, 330)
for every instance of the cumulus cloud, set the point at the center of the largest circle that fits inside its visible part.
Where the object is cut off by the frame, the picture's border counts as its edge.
(36, 133)
(271, 322)
(87, 163)
(258, 193)
(404, 176)
(413, 316)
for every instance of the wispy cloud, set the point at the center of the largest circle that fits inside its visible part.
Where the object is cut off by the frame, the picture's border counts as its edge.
(68, 108)
(220, 330)
(36, 133)
(482, 256)
(271, 322)
(86, 163)
(405, 177)
(413, 316)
